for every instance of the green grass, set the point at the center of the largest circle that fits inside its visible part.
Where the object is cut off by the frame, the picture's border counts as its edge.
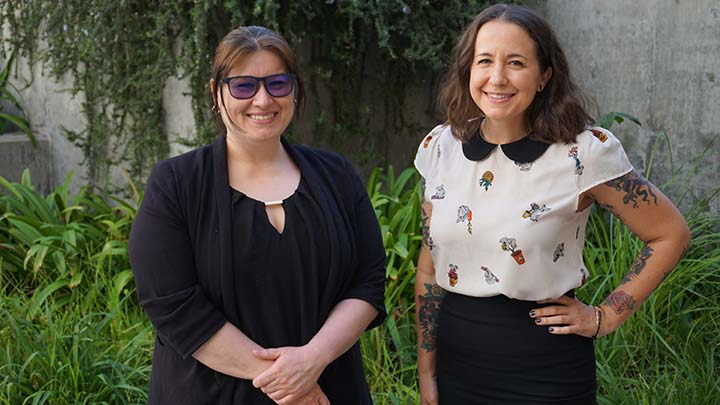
(71, 330)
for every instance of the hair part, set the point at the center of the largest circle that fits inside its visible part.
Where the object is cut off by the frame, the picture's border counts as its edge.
(556, 114)
(238, 45)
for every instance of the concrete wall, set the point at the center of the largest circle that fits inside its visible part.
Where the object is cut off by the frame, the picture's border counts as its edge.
(656, 59)
(660, 61)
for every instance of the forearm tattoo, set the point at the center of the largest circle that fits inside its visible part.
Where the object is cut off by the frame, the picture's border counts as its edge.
(425, 226)
(620, 301)
(634, 186)
(428, 311)
(639, 264)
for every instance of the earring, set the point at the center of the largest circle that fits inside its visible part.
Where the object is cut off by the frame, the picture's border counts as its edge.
(295, 100)
(214, 109)
(540, 88)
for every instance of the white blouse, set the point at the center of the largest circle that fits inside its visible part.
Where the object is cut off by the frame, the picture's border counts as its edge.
(504, 219)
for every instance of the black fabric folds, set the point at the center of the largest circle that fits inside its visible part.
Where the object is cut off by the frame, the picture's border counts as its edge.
(202, 256)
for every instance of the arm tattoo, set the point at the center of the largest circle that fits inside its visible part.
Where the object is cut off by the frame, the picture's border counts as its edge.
(634, 186)
(428, 311)
(639, 264)
(425, 227)
(619, 301)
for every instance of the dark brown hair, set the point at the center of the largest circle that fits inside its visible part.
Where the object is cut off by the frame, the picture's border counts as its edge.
(556, 114)
(241, 43)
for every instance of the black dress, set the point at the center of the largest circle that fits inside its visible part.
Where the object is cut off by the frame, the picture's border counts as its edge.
(203, 254)
(279, 284)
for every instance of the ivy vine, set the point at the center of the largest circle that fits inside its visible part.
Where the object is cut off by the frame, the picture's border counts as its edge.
(358, 58)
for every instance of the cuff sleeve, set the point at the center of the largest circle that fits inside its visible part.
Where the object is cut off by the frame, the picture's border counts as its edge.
(163, 265)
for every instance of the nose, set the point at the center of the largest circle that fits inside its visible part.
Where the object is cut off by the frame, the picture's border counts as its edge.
(497, 76)
(262, 98)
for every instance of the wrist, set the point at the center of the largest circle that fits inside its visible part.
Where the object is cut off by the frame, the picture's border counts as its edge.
(321, 357)
(609, 322)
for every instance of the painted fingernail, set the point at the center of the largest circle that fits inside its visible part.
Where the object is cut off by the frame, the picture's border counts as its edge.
(551, 329)
(537, 320)
(532, 312)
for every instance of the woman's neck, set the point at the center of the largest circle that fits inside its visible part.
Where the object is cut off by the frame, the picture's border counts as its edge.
(502, 132)
(254, 155)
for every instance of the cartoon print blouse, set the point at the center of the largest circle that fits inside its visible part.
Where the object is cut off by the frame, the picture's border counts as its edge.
(504, 218)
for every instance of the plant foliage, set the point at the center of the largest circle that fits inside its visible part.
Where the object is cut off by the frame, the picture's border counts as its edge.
(359, 58)
(7, 121)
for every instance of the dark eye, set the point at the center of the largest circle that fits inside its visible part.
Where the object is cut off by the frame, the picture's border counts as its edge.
(243, 85)
(278, 83)
(484, 61)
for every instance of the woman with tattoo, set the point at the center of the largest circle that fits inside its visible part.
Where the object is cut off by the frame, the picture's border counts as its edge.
(259, 262)
(508, 181)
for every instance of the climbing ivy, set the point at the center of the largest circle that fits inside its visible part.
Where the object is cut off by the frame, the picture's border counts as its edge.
(358, 58)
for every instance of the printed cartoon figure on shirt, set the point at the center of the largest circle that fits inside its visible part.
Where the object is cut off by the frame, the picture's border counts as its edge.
(439, 193)
(487, 179)
(559, 252)
(584, 274)
(490, 278)
(535, 211)
(599, 135)
(427, 141)
(525, 166)
(510, 245)
(465, 214)
(452, 275)
(573, 153)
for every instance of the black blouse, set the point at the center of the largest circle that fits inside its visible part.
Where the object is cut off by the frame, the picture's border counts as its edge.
(203, 255)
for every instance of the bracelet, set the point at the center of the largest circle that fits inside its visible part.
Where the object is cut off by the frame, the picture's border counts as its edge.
(598, 321)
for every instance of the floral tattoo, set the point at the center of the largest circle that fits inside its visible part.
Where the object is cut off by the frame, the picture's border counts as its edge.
(619, 301)
(634, 186)
(428, 311)
(639, 264)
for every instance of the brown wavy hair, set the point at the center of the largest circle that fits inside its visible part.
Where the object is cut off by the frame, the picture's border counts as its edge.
(557, 114)
(237, 45)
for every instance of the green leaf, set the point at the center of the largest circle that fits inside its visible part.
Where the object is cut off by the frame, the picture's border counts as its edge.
(75, 280)
(41, 295)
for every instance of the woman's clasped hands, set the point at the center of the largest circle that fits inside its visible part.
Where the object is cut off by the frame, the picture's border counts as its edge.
(292, 379)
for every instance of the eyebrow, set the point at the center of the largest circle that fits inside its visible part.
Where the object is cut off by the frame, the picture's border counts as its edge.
(512, 55)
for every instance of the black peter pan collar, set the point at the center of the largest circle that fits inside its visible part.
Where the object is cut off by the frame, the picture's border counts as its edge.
(523, 150)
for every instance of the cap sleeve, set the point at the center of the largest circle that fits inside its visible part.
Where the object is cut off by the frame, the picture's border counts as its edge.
(428, 153)
(602, 158)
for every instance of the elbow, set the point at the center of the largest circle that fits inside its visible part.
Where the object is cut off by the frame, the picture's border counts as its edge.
(685, 237)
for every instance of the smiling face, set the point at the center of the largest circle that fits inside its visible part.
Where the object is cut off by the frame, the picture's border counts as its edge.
(506, 74)
(261, 117)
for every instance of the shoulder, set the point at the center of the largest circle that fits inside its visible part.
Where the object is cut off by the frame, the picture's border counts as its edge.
(597, 137)
(325, 167)
(320, 158)
(601, 154)
(430, 149)
(599, 143)
(183, 168)
(185, 161)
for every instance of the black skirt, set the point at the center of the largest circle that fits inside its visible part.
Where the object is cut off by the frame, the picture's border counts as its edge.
(491, 351)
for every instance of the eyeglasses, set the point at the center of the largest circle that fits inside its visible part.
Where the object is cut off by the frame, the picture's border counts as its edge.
(245, 87)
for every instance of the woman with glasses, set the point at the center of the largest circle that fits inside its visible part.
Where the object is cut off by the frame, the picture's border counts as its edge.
(259, 262)
(508, 184)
